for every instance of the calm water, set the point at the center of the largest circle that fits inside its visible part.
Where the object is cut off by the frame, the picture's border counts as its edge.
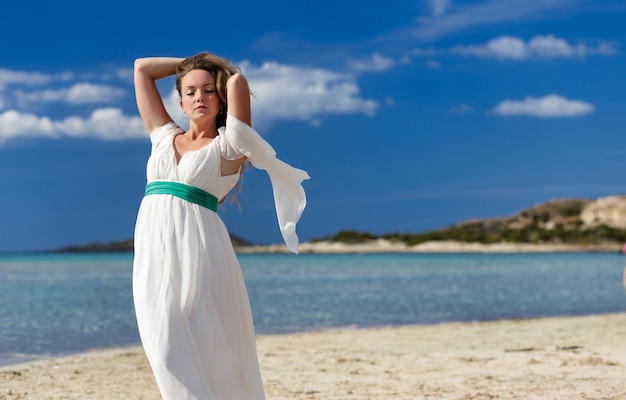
(59, 303)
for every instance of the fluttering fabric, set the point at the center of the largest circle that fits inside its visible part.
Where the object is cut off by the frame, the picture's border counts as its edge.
(289, 197)
(191, 302)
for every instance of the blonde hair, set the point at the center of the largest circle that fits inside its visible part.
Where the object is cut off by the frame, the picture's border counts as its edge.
(221, 69)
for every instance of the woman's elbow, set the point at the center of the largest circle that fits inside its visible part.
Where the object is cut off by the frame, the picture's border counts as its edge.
(237, 82)
(140, 64)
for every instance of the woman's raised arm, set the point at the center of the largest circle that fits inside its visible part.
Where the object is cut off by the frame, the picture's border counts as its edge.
(149, 102)
(238, 98)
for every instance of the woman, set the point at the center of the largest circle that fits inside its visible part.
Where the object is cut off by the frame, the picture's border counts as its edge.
(190, 299)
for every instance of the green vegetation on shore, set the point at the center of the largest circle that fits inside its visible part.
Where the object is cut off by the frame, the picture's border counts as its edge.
(475, 232)
(554, 222)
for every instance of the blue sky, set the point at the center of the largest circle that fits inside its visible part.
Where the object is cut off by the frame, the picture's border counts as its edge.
(409, 115)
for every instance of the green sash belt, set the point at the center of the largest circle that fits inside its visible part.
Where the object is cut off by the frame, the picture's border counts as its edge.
(186, 192)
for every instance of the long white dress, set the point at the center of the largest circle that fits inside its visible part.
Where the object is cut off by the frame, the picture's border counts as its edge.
(191, 303)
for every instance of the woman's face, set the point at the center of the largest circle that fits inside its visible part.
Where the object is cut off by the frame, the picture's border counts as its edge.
(199, 98)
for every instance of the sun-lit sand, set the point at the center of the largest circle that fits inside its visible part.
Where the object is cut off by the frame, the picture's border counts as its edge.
(434, 246)
(551, 358)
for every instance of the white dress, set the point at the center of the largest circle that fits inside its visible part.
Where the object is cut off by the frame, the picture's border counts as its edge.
(191, 303)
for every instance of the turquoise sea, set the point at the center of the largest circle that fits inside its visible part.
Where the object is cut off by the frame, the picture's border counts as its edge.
(53, 304)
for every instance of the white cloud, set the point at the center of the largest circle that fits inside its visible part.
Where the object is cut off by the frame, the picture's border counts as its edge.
(80, 93)
(550, 106)
(461, 109)
(9, 77)
(14, 124)
(439, 7)
(126, 74)
(172, 105)
(376, 63)
(103, 123)
(548, 46)
(285, 92)
(502, 47)
(460, 18)
(433, 64)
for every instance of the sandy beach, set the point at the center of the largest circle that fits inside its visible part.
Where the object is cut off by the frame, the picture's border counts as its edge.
(435, 246)
(548, 358)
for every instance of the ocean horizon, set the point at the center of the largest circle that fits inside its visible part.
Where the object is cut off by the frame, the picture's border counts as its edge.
(62, 303)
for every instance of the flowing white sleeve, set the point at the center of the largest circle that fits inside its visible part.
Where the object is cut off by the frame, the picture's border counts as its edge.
(239, 139)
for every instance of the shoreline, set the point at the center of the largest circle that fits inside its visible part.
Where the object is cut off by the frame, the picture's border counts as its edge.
(387, 246)
(439, 246)
(539, 358)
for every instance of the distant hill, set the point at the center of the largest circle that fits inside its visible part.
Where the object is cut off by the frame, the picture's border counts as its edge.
(578, 222)
(127, 246)
(568, 221)
(113, 247)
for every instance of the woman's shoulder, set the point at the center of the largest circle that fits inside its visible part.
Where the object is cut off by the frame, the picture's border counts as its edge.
(160, 132)
(168, 128)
